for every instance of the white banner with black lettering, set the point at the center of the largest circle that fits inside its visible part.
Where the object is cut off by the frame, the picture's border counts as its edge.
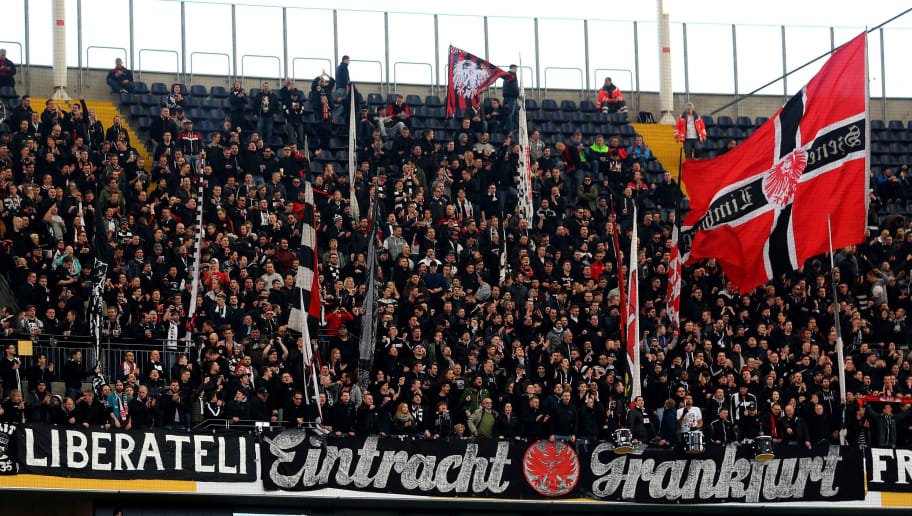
(149, 454)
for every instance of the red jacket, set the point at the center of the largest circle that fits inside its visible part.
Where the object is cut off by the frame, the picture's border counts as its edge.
(681, 128)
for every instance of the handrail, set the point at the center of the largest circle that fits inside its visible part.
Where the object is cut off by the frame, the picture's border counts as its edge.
(296, 59)
(632, 83)
(379, 65)
(258, 56)
(100, 47)
(413, 63)
(222, 54)
(570, 69)
(20, 54)
(531, 78)
(630, 73)
(161, 51)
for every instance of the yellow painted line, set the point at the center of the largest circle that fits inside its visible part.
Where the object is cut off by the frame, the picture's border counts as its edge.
(94, 484)
(896, 499)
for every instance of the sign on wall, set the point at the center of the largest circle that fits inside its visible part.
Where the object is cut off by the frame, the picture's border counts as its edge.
(294, 461)
(889, 470)
(149, 454)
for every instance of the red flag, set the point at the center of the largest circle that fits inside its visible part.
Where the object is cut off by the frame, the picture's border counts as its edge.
(673, 298)
(468, 77)
(762, 208)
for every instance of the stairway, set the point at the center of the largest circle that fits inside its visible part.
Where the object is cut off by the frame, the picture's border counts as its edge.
(660, 138)
(105, 112)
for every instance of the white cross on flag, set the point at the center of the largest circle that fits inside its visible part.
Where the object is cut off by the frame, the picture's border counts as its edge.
(762, 208)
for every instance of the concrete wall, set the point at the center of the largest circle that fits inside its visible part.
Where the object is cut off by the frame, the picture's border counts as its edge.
(41, 81)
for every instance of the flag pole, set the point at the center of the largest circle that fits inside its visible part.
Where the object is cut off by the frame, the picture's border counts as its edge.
(840, 353)
(352, 147)
(633, 299)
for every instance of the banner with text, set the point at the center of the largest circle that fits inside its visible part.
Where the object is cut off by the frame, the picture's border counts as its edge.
(149, 454)
(889, 470)
(294, 461)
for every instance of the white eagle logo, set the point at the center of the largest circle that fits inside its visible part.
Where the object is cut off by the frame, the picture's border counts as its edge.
(780, 183)
(468, 78)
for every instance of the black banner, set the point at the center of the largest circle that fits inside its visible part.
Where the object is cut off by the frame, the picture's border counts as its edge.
(127, 455)
(889, 470)
(294, 461)
(7, 448)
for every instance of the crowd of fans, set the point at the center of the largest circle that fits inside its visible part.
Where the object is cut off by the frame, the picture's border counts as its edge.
(463, 347)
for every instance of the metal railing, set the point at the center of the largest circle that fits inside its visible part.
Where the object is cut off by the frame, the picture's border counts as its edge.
(582, 83)
(177, 73)
(113, 350)
(258, 56)
(294, 61)
(379, 66)
(597, 85)
(413, 63)
(628, 53)
(81, 72)
(214, 54)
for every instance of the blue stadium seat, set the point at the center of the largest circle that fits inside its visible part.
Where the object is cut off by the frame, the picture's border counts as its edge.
(587, 106)
(619, 119)
(144, 123)
(218, 92)
(744, 122)
(128, 99)
(577, 117)
(413, 101)
(207, 126)
(895, 125)
(136, 112)
(198, 90)
(433, 101)
(760, 120)
(149, 100)
(193, 102)
(433, 123)
(8, 92)
(374, 99)
(707, 120)
(419, 112)
(549, 105)
(158, 88)
(391, 98)
(531, 105)
(140, 88)
(877, 124)
(568, 106)
(725, 122)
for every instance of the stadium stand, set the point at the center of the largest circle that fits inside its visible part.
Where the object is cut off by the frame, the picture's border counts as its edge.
(465, 352)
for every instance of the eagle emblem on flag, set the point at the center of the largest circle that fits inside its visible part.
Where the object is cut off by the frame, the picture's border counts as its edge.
(780, 183)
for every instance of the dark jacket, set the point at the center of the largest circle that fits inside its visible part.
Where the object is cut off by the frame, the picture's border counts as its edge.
(564, 420)
(640, 425)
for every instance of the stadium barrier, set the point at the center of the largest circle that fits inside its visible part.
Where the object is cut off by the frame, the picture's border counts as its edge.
(295, 460)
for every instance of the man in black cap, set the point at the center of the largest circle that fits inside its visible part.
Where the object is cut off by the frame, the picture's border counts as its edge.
(748, 426)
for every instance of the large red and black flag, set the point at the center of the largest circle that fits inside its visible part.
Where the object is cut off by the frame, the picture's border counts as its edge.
(762, 208)
(468, 77)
